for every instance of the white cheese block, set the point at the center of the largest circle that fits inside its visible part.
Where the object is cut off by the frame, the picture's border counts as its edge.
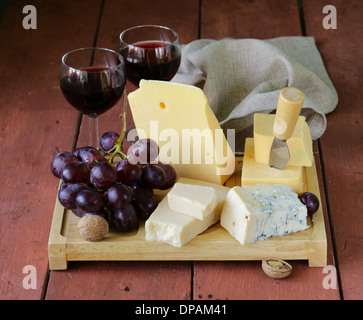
(192, 200)
(257, 212)
(176, 229)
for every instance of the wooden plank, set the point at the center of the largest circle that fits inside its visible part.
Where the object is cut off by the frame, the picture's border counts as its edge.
(249, 19)
(34, 115)
(149, 280)
(341, 144)
(237, 280)
(247, 281)
(121, 281)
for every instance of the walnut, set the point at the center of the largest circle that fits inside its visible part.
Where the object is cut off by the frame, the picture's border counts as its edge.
(276, 268)
(92, 227)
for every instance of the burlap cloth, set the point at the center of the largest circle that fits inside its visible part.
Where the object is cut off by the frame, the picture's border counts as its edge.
(243, 76)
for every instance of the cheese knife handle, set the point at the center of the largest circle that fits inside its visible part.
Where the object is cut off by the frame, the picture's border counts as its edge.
(288, 109)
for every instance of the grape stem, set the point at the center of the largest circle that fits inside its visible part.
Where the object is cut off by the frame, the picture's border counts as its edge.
(108, 210)
(117, 149)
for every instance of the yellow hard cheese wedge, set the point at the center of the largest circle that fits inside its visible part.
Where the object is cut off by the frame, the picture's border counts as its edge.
(300, 143)
(177, 229)
(179, 119)
(257, 173)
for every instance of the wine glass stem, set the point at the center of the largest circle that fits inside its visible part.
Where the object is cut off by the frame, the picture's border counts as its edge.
(93, 132)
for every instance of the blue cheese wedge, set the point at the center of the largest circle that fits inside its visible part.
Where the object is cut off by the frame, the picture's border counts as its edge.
(192, 200)
(257, 212)
(177, 229)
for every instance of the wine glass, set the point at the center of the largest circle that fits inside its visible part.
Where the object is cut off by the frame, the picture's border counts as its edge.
(150, 52)
(92, 80)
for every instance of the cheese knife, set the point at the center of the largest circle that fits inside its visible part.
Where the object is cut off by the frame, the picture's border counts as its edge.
(288, 109)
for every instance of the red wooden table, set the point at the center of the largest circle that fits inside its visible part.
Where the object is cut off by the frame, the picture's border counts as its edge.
(36, 123)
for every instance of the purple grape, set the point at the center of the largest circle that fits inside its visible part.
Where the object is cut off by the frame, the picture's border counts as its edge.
(78, 213)
(90, 201)
(153, 176)
(103, 213)
(76, 172)
(78, 151)
(135, 184)
(141, 193)
(125, 219)
(67, 195)
(145, 208)
(103, 175)
(311, 201)
(62, 186)
(170, 175)
(60, 161)
(89, 155)
(108, 139)
(127, 173)
(119, 195)
(143, 151)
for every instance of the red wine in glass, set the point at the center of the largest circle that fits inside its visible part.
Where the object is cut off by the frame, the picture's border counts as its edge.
(98, 94)
(150, 52)
(92, 80)
(156, 60)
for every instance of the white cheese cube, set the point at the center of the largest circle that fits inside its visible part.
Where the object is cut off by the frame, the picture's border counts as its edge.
(192, 200)
(257, 212)
(176, 229)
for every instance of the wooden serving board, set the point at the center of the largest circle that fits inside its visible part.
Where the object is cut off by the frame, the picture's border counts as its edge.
(215, 243)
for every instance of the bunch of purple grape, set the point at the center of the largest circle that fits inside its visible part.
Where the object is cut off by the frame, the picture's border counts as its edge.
(122, 193)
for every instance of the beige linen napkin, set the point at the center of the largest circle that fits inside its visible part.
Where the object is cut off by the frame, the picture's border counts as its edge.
(243, 76)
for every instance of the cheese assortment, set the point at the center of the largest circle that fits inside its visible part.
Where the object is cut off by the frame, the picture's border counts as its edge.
(265, 205)
(182, 193)
(175, 228)
(258, 212)
(180, 119)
